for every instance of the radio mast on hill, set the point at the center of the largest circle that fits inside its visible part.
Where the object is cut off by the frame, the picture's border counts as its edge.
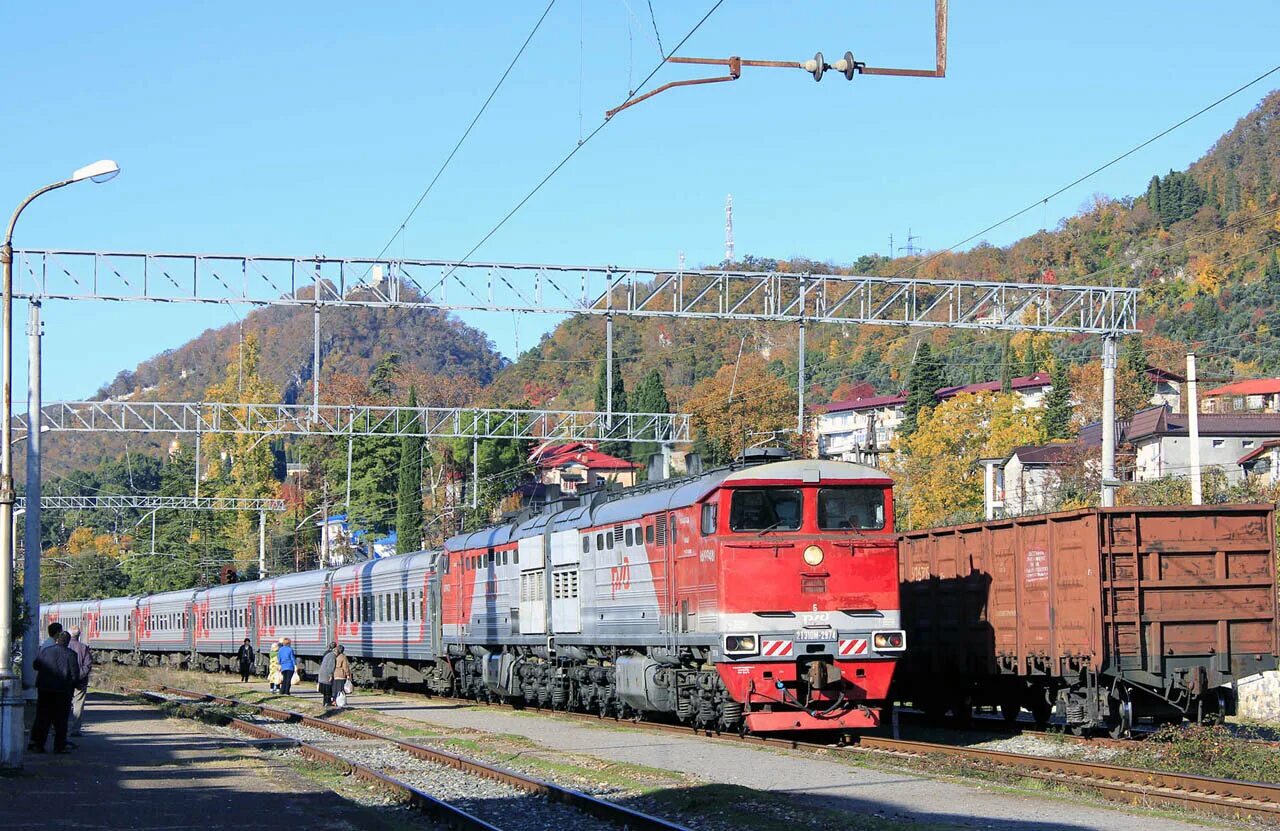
(728, 229)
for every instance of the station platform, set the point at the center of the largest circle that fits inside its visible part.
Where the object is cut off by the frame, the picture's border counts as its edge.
(134, 768)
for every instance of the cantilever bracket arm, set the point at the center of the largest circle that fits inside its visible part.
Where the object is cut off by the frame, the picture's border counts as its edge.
(735, 72)
(847, 67)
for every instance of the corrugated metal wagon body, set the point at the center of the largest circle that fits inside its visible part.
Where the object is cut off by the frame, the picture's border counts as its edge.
(1113, 614)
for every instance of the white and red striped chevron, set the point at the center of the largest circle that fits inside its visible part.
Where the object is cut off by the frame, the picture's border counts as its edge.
(853, 646)
(775, 649)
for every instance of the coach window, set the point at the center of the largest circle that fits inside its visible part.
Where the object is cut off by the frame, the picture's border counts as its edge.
(629, 538)
(608, 541)
(765, 509)
(599, 542)
(586, 544)
(709, 512)
(648, 534)
(850, 508)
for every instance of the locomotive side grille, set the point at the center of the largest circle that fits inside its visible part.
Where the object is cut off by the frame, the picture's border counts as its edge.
(661, 529)
(617, 533)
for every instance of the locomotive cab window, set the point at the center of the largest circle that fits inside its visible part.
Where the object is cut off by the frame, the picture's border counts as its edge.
(851, 508)
(765, 509)
(709, 512)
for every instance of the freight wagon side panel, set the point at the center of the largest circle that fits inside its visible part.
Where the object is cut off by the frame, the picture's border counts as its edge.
(1188, 588)
(1065, 559)
(945, 589)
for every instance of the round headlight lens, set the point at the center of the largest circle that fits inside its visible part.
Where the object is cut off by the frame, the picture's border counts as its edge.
(813, 555)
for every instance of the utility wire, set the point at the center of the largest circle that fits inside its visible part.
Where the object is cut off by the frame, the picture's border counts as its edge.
(581, 144)
(467, 132)
(1093, 172)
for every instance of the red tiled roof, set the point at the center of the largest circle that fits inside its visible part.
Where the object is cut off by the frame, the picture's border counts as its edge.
(1258, 451)
(1040, 379)
(1256, 386)
(591, 459)
(870, 403)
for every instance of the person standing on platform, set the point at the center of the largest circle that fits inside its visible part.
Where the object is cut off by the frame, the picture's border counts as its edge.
(341, 677)
(273, 672)
(245, 658)
(324, 678)
(55, 629)
(57, 673)
(84, 659)
(288, 665)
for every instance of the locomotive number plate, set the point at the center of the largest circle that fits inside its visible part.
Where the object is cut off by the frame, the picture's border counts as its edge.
(824, 634)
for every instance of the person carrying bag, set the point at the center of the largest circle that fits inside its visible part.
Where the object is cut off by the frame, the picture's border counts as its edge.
(342, 686)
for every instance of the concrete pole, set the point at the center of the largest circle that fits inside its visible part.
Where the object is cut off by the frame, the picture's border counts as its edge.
(1108, 420)
(31, 555)
(475, 474)
(324, 526)
(350, 442)
(608, 371)
(1193, 427)
(197, 465)
(800, 388)
(315, 358)
(262, 544)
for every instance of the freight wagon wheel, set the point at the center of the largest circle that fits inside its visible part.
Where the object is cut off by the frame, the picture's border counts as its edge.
(1119, 716)
(1010, 710)
(1041, 709)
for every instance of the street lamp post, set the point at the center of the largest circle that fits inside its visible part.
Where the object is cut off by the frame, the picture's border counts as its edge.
(11, 700)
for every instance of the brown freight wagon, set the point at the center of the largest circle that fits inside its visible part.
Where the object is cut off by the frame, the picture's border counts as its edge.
(1111, 615)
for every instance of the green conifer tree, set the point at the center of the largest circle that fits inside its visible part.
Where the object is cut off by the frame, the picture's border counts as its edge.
(925, 379)
(409, 492)
(613, 448)
(649, 396)
(1056, 422)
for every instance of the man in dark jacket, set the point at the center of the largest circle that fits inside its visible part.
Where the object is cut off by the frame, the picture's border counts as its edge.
(57, 673)
(244, 656)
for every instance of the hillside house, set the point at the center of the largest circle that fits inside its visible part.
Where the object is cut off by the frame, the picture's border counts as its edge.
(1259, 395)
(1262, 463)
(1027, 480)
(1162, 444)
(575, 466)
(859, 429)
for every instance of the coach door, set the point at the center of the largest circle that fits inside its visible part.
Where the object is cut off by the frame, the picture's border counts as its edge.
(664, 539)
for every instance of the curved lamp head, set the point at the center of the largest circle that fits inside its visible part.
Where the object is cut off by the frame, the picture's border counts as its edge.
(100, 171)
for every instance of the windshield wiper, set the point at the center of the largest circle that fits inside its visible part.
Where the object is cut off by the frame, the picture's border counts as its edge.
(768, 528)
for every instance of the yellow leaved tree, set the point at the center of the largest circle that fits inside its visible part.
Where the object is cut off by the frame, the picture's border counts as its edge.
(939, 480)
(741, 399)
(241, 464)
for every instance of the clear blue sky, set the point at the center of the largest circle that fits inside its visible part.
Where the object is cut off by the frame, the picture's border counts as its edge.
(312, 127)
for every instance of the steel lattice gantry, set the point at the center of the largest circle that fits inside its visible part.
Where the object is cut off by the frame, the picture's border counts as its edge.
(333, 420)
(565, 289)
(119, 502)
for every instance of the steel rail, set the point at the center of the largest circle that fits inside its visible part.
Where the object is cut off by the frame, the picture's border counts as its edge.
(590, 805)
(438, 809)
(1134, 786)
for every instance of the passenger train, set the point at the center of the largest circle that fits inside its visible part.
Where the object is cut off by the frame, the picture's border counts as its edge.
(754, 598)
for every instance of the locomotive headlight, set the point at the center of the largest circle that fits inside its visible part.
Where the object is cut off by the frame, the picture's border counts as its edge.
(813, 555)
(892, 641)
(741, 644)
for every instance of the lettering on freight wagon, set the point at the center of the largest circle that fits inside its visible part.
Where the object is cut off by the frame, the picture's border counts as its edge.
(1037, 567)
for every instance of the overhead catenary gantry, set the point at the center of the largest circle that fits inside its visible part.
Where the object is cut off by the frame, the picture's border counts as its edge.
(151, 502)
(355, 421)
(797, 298)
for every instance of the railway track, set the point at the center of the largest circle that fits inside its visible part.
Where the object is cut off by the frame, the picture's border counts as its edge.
(1132, 786)
(459, 792)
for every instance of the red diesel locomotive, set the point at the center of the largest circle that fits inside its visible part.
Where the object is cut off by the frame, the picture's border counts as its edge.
(760, 597)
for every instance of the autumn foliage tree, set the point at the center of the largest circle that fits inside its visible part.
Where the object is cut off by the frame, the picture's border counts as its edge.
(737, 402)
(939, 480)
(242, 465)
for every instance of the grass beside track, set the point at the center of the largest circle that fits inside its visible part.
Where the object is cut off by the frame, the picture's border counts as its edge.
(1206, 751)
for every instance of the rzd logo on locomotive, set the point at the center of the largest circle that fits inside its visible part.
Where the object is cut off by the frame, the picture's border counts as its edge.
(620, 576)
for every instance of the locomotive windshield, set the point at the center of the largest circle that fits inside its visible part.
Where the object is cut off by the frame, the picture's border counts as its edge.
(765, 509)
(851, 507)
